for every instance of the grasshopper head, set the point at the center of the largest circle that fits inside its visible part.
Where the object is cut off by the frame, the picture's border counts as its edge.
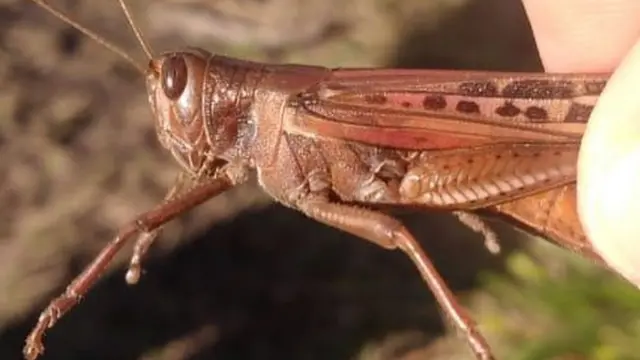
(175, 86)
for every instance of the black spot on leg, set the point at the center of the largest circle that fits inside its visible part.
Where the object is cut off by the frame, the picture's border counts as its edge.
(468, 107)
(578, 113)
(539, 89)
(474, 88)
(536, 113)
(594, 88)
(508, 110)
(434, 102)
(376, 99)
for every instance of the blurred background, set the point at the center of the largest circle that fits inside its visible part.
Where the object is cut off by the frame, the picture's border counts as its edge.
(241, 277)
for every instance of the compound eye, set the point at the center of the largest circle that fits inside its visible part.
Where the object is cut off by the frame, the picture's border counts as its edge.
(174, 75)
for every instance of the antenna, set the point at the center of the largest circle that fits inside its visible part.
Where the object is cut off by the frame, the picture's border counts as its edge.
(136, 30)
(97, 38)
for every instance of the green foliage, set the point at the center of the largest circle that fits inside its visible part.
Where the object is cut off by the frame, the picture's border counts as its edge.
(552, 305)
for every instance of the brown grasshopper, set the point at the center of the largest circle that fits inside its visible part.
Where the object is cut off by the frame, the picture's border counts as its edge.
(337, 144)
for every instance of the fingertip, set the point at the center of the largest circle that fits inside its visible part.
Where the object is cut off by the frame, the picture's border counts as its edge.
(609, 171)
(583, 35)
(610, 215)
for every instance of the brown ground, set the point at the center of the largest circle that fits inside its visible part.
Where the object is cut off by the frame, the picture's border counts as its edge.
(78, 157)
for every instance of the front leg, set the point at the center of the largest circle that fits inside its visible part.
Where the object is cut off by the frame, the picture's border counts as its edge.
(389, 233)
(184, 183)
(181, 185)
(146, 223)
